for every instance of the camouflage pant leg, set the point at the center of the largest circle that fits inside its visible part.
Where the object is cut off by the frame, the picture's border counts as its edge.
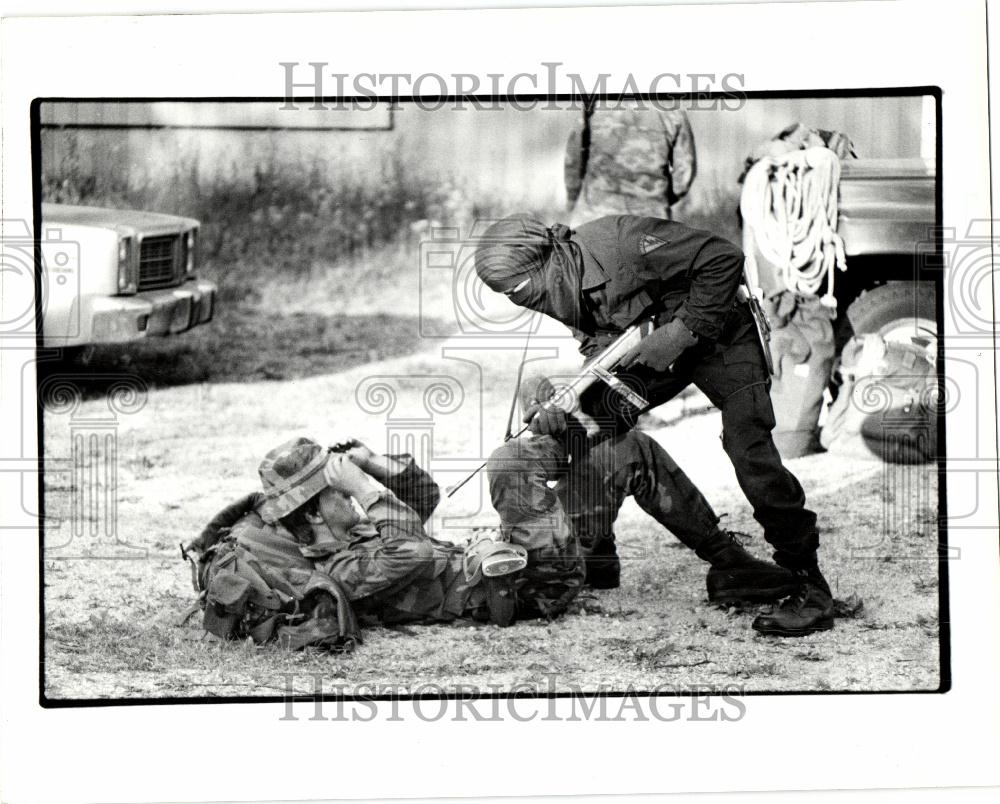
(633, 464)
(461, 599)
(533, 516)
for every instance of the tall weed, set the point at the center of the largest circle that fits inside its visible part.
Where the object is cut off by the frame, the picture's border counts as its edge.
(285, 219)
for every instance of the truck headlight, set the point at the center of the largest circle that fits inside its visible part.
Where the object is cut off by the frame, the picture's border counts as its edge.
(190, 244)
(127, 280)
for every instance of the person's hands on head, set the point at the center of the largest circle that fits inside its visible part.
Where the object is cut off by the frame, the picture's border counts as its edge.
(343, 474)
(358, 452)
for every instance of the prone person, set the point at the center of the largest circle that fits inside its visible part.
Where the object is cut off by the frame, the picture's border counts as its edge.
(357, 518)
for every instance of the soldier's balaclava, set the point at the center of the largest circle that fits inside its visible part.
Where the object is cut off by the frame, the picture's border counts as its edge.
(534, 265)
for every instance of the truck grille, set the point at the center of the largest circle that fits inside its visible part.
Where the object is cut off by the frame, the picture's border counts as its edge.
(158, 262)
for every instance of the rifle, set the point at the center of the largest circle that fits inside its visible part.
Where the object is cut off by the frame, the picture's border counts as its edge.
(759, 318)
(600, 368)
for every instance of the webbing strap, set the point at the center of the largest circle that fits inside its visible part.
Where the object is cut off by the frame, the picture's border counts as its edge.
(188, 612)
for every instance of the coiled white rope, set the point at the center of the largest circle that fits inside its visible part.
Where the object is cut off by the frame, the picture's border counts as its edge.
(789, 207)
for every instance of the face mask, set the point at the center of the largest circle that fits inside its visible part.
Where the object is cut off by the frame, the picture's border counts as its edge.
(555, 289)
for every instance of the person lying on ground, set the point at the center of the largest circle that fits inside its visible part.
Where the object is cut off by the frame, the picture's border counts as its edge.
(309, 517)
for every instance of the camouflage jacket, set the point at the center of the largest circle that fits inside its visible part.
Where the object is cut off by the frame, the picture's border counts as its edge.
(629, 160)
(391, 570)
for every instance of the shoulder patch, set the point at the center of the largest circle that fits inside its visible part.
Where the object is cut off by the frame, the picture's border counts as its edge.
(649, 243)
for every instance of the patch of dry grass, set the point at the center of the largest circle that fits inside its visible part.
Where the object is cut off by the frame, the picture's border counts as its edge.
(109, 622)
(292, 345)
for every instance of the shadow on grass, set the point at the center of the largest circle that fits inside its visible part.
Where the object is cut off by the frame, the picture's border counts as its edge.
(239, 345)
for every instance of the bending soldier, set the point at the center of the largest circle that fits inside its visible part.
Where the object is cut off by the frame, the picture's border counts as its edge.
(617, 270)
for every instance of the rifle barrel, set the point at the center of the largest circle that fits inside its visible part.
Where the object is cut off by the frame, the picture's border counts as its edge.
(478, 469)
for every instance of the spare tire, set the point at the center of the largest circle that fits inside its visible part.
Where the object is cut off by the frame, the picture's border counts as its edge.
(899, 312)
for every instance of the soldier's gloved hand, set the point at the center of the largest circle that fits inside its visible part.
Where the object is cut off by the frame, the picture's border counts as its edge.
(343, 474)
(663, 346)
(546, 421)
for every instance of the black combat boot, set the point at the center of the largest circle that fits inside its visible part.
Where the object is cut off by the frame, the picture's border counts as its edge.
(809, 610)
(603, 567)
(736, 575)
(501, 599)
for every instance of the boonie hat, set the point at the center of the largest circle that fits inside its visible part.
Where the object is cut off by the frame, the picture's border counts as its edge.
(292, 474)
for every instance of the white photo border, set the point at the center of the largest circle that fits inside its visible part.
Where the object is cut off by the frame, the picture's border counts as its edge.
(785, 742)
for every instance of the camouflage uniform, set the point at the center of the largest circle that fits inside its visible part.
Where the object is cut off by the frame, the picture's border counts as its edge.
(390, 569)
(631, 159)
(562, 508)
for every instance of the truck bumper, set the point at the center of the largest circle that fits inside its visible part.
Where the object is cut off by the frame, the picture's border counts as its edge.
(121, 319)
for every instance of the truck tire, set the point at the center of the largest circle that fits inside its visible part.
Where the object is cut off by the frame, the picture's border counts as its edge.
(903, 313)
(891, 309)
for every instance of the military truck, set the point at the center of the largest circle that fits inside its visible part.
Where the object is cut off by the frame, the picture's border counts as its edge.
(866, 352)
(886, 219)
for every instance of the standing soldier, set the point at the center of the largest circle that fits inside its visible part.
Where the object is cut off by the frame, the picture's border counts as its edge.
(633, 158)
(618, 270)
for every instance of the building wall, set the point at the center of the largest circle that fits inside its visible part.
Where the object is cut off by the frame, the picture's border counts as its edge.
(509, 154)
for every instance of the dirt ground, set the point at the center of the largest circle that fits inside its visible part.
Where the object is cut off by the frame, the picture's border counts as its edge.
(115, 584)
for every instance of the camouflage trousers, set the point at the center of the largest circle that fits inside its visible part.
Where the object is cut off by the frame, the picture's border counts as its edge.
(560, 500)
(594, 203)
(443, 597)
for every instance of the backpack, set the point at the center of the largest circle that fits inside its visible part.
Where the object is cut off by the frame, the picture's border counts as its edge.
(802, 346)
(886, 405)
(242, 597)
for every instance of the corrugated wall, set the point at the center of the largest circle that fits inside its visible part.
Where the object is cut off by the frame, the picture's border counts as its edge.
(515, 155)
(879, 128)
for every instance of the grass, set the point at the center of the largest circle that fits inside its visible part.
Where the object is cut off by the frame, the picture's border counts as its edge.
(316, 296)
(308, 265)
(291, 219)
(110, 623)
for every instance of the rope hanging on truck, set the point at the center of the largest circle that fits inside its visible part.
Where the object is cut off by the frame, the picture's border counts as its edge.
(789, 207)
